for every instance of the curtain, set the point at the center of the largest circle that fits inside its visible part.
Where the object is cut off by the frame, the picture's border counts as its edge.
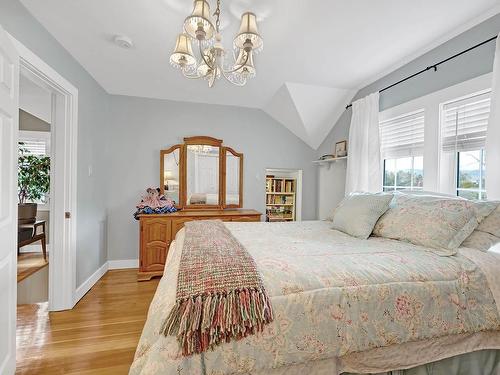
(493, 134)
(364, 169)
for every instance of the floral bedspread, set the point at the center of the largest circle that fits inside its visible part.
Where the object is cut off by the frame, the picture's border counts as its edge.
(332, 295)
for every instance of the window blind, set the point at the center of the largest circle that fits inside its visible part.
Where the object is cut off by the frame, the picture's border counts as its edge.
(403, 136)
(35, 143)
(34, 147)
(464, 123)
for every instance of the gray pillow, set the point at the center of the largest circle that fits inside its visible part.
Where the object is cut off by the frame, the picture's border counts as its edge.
(486, 235)
(481, 241)
(357, 214)
(438, 223)
(491, 224)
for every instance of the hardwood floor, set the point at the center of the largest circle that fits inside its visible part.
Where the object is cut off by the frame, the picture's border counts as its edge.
(98, 336)
(29, 263)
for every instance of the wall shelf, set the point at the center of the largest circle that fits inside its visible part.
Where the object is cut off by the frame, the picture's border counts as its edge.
(328, 162)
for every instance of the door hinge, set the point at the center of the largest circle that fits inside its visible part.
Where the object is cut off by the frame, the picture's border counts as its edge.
(67, 215)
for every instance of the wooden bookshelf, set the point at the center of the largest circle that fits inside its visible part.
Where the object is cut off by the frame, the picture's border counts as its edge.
(280, 198)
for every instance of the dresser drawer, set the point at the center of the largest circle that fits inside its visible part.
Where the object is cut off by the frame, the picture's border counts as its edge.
(245, 218)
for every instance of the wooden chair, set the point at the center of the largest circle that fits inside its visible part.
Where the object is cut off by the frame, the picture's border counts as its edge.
(34, 237)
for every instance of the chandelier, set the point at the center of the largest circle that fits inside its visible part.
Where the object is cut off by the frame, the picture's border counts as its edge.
(212, 62)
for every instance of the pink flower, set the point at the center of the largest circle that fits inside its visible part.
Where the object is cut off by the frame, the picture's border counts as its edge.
(403, 305)
(337, 312)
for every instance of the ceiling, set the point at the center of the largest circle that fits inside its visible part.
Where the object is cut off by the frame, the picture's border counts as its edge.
(317, 53)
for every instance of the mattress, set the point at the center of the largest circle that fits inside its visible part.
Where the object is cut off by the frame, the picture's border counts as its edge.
(341, 305)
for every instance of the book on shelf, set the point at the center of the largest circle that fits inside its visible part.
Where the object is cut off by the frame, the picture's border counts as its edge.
(280, 198)
(274, 185)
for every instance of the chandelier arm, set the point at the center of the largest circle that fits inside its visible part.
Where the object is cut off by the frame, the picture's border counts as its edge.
(234, 83)
(236, 68)
(211, 79)
(203, 56)
(189, 76)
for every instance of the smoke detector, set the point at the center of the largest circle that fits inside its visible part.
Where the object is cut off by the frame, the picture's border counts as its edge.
(123, 41)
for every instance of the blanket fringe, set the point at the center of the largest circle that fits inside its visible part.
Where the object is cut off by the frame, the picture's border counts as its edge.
(204, 321)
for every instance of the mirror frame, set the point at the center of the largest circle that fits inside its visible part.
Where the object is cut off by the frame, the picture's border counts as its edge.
(204, 141)
(181, 171)
(223, 150)
(240, 184)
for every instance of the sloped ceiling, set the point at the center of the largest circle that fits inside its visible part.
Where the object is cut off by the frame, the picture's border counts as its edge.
(331, 47)
(308, 111)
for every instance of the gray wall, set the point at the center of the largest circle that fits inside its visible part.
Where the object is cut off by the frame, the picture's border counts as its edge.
(32, 123)
(140, 128)
(92, 118)
(463, 68)
(120, 137)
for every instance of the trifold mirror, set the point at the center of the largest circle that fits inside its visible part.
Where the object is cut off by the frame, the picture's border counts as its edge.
(202, 173)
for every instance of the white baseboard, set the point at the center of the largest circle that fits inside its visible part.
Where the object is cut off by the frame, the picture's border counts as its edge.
(89, 283)
(109, 265)
(123, 264)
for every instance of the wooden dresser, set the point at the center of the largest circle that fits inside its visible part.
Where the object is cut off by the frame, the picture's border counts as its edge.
(158, 231)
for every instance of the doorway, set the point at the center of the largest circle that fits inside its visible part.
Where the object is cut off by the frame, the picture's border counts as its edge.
(34, 175)
(61, 203)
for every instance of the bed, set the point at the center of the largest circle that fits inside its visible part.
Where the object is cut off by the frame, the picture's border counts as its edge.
(342, 304)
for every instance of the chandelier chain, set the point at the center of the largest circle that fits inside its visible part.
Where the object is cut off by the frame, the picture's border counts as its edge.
(217, 16)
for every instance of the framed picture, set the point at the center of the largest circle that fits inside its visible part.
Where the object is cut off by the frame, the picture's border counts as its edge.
(341, 149)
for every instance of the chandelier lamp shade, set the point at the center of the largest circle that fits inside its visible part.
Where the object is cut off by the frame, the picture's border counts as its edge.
(210, 60)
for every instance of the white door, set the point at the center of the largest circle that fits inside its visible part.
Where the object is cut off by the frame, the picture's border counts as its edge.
(9, 109)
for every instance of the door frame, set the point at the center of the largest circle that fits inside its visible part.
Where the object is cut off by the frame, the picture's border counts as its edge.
(62, 269)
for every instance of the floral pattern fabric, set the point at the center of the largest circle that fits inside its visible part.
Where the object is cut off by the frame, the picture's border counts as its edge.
(491, 224)
(481, 241)
(434, 222)
(332, 295)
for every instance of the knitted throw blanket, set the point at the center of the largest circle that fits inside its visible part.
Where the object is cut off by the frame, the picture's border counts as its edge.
(220, 294)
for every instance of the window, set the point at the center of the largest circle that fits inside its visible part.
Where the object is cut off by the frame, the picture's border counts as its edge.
(404, 173)
(464, 126)
(471, 175)
(36, 143)
(402, 148)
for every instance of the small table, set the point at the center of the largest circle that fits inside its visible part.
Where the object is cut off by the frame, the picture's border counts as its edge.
(35, 236)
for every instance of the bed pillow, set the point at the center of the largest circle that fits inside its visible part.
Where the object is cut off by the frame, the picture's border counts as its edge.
(481, 241)
(487, 234)
(357, 214)
(438, 223)
(491, 224)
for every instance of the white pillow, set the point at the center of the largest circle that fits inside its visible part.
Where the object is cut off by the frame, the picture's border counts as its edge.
(357, 214)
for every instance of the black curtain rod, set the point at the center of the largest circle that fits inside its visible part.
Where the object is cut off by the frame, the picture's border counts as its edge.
(435, 66)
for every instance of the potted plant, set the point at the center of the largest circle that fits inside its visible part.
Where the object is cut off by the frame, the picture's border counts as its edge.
(33, 183)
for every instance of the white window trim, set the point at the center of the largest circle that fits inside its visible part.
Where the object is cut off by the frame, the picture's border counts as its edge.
(439, 172)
